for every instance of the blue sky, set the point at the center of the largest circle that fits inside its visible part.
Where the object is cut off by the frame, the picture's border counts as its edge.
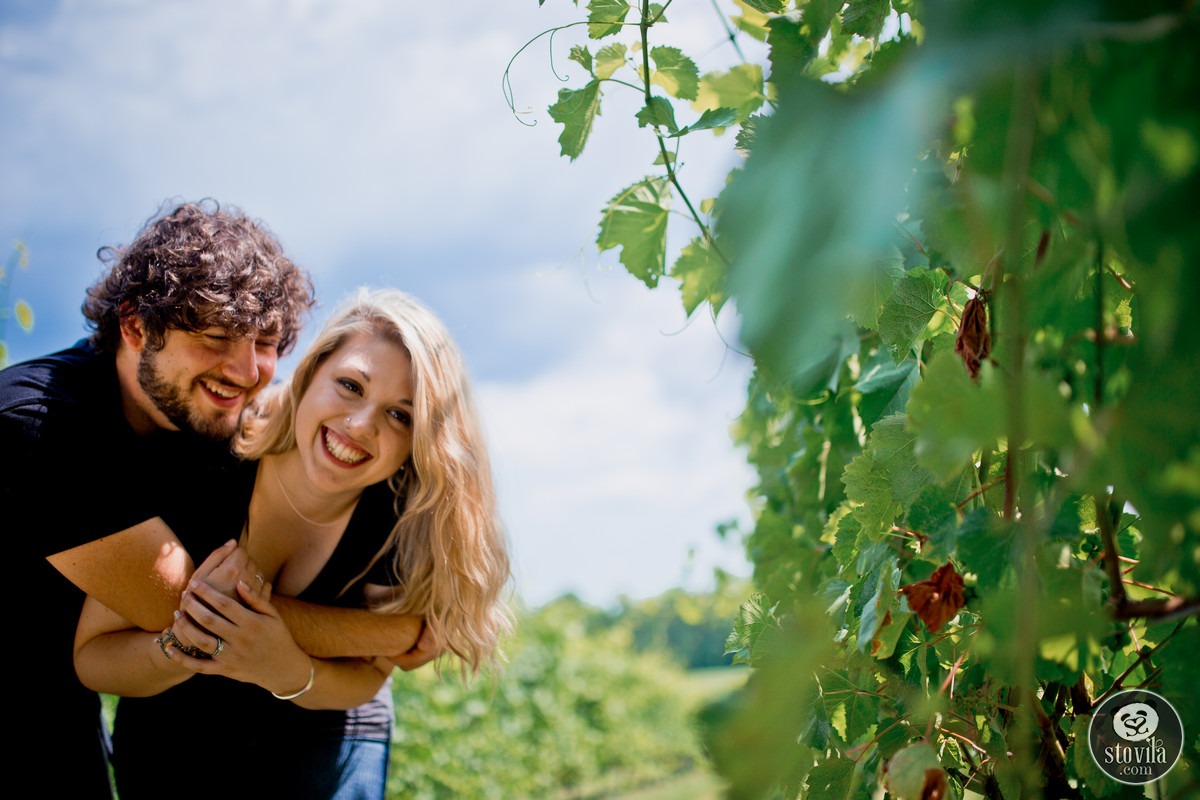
(374, 139)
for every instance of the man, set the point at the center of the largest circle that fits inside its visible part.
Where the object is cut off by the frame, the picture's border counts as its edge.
(99, 439)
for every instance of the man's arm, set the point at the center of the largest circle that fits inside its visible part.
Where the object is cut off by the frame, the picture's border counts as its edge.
(327, 632)
(139, 572)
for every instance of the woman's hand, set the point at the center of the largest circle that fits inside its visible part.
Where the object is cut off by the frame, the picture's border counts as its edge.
(247, 638)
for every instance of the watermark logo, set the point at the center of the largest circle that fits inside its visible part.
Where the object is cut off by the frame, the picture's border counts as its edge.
(1135, 736)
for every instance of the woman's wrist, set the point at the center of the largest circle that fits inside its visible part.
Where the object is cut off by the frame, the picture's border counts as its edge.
(312, 676)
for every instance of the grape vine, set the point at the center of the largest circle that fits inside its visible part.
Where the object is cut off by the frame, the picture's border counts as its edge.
(961, 250)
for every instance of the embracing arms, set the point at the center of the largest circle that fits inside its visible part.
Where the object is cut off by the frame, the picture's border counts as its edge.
(244, 639)
(141, 573)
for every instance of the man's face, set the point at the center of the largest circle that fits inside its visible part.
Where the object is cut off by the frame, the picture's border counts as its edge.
(201, 381)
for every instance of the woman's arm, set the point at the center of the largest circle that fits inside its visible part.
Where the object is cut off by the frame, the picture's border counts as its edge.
(114, 656)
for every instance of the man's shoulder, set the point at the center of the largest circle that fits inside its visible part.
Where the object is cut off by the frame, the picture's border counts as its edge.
(65, 373)
(55, 384)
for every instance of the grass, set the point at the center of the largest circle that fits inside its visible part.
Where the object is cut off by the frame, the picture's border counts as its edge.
(697, 785)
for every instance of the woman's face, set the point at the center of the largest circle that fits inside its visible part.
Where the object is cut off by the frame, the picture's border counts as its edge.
(354, 423)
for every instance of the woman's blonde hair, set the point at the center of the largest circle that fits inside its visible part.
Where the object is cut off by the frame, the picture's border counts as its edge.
(450, 557)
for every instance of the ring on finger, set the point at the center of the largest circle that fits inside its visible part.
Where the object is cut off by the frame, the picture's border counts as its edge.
(220, 647)
(261, 580)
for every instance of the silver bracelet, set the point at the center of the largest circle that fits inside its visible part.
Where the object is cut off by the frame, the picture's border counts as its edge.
(312, 675)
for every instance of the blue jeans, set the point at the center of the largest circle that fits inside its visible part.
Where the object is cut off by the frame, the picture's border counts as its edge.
(362, 767)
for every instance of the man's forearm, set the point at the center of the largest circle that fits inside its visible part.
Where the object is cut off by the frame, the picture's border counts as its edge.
(328, 632)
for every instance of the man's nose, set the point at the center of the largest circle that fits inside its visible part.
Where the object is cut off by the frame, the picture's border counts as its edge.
(244, 365)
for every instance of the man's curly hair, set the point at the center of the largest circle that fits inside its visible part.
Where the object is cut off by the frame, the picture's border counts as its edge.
(195, 266)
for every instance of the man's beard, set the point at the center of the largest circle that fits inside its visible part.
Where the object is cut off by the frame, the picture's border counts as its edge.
(172, 401)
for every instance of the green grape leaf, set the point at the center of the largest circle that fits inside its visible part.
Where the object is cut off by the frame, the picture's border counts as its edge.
(878, 606)
(635, 220)
(576, 110)
(877, 288)
(985, 548)
(754, 617)
(885, 386)
(865, 17)
(744, 141)
(713, 118)
(868, 487)
(795, 278)
(658, 113)
(934, 515)
(894, 624)
(609, 59)
(701, 276)
(741, 88)
(907, 312)
(581, 56)
(1079, 756)
(891, 446)
(675, 72)
(605, 17)
(767, 6)
(831, 778)
(885, 476)
(845, 537)
(952, 416)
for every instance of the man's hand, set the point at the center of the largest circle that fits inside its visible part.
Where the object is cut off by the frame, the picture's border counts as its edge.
(425, 650)
(225, 566)
(222, 571)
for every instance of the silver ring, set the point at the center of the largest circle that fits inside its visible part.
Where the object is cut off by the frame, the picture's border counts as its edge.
(261, 580)
(220, 647)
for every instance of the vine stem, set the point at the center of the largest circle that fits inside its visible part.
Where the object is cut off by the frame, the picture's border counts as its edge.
(668, 162)
(506, 82)
(981, 490)
(1142, 657)
(1010, 290)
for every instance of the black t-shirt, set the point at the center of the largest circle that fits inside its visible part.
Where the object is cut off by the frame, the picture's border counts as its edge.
(71, 471)
(276, 748)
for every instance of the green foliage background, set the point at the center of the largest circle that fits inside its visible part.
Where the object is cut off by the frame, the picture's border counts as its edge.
(901, 158)
(578, 711)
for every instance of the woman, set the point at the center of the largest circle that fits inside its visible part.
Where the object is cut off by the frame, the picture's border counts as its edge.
(367, 484)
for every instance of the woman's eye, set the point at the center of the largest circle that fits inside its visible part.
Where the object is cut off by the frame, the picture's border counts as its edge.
(348, 385)
(403, 417)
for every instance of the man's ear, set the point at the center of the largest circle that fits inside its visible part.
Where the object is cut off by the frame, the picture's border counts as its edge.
(133, 329)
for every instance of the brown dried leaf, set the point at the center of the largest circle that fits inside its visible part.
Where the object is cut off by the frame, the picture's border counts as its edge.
(973, 343)
(937, 599)
(934, 787)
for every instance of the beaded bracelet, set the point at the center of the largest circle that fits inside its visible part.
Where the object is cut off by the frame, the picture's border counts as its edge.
(312, 674)
(167, 638)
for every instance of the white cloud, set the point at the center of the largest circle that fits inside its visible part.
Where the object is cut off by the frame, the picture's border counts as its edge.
(617, 462)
